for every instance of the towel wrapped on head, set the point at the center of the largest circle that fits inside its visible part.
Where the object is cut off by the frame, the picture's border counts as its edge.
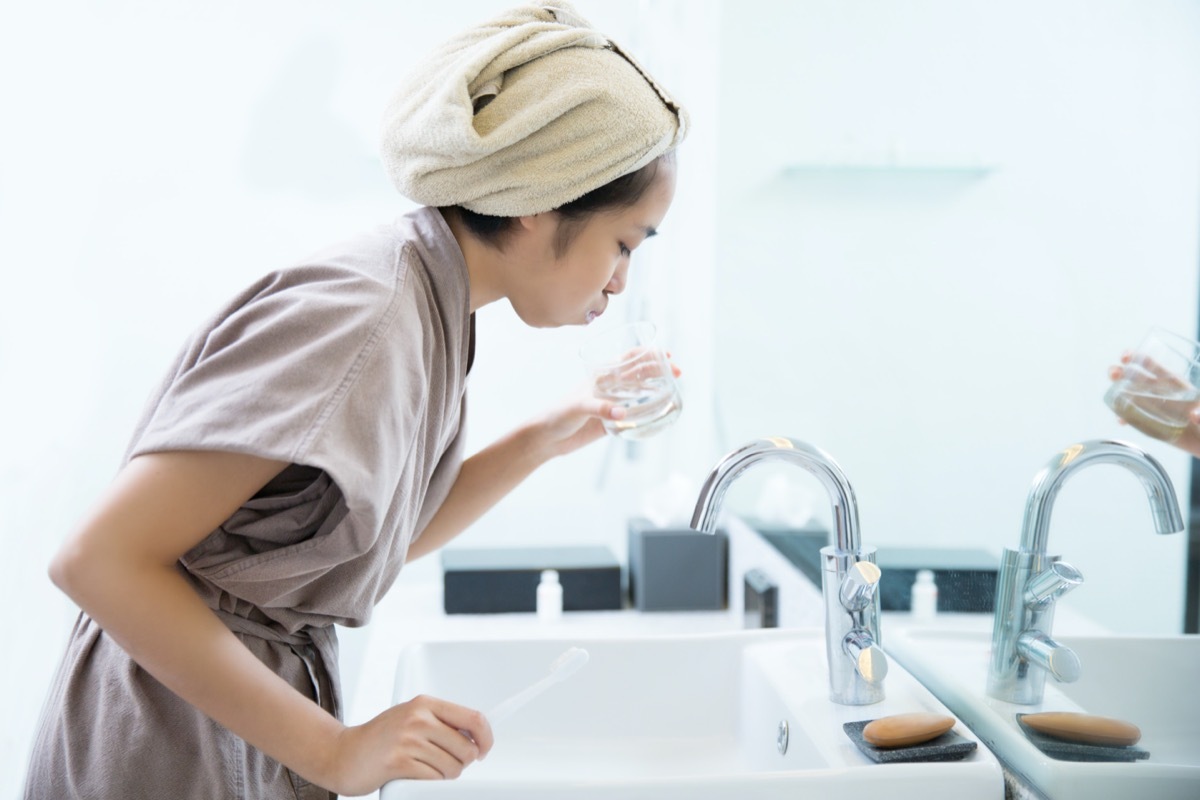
(524, 114)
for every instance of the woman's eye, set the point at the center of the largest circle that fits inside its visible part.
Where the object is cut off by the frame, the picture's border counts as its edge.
(625, 251)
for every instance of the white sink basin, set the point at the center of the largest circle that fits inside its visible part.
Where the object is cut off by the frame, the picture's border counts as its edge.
(1149, 681)
(686, 716)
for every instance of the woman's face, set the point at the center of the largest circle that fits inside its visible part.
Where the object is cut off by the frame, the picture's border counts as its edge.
(573, 287)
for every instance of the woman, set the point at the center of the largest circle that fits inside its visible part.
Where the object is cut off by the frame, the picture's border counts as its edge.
(308, 439)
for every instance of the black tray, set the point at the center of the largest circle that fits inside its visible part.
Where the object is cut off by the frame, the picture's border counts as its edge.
(947, 747)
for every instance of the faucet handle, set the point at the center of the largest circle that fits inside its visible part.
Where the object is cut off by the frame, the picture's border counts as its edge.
(869, 660)
(857, 590)
(1052, 583)
(1057, 659)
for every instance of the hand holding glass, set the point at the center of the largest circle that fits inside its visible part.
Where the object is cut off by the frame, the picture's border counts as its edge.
(627, 366)
(1155, 388)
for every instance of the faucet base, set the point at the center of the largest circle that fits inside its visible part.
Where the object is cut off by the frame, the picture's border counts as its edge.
(857, 665)
(1011, 677)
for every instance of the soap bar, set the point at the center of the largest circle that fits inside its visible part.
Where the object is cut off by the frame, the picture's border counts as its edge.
(1085, 728)
(902, 730)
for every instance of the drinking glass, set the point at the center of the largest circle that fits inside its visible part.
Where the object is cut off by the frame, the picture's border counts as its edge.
(1157, 387)
(628, 366)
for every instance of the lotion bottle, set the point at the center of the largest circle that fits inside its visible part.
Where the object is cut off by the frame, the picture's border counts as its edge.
(549, 597)
(924, 597)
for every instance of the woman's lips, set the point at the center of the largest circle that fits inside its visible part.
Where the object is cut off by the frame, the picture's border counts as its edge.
(593, 314)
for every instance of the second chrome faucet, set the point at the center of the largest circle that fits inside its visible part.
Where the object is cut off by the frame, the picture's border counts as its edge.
(849, 576)
(1030, 581)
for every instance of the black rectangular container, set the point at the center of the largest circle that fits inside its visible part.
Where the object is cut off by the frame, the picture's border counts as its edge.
(499, 580)
(676, 569)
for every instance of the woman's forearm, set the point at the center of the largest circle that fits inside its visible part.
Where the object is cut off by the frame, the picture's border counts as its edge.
(490, 474)
(484, 479)
(158, 619)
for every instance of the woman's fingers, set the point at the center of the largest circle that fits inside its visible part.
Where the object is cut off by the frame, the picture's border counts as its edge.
(441, 765)
(1145, 371)
(444, 735)
(466, 733)
(1158, 373)
(676, 371)
(423, 738)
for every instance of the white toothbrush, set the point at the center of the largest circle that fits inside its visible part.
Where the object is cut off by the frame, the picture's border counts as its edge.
(561, 668)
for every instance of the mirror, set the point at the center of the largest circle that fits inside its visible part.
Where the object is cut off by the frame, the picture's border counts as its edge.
(938, 224)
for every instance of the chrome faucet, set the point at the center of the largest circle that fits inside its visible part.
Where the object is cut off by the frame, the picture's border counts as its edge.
(1030, 581)
(849, 576)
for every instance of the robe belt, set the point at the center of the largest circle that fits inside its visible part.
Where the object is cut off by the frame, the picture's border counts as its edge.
(310, 640)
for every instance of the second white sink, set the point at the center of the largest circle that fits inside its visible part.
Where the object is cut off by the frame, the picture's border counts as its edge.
(1149, 681)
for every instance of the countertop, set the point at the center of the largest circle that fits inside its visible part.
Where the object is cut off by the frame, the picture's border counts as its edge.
(412, 612)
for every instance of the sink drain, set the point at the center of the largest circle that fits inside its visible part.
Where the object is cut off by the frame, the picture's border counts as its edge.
(781, 737)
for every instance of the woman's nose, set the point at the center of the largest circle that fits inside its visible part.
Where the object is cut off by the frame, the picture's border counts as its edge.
(616, 284)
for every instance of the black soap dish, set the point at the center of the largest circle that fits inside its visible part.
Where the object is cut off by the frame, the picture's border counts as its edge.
(947, 747)
(1063, 750)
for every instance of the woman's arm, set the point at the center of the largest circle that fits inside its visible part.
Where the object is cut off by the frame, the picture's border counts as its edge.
(490, 474)
(121, 567)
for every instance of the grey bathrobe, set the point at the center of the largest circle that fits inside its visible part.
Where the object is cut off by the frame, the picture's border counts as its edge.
(350, 366)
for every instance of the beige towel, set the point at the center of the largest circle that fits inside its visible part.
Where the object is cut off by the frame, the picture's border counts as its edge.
(524, 114)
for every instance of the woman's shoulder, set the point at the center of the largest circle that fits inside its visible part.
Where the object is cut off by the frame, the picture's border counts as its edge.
(415, 253)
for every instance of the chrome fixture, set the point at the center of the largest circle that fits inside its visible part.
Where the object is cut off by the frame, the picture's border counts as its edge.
(1030, 581)
(849, 576)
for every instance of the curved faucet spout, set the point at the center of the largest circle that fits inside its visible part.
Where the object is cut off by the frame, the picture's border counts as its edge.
(1159, 490)
(1030, 580)
(778, 448)
(849, 577)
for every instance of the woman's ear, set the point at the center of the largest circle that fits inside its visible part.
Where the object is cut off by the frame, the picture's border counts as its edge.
(536, 222)
(537, 230)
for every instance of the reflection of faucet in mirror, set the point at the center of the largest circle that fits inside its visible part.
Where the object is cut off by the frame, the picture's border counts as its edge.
(849, 576)
(1030, 581)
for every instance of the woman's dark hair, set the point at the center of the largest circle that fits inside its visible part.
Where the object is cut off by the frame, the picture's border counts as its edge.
(618, 194)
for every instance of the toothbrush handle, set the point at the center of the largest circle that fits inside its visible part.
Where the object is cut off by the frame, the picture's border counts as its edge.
(507, 707)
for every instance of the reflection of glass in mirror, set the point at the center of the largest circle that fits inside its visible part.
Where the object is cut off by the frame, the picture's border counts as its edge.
(1161, 416)
(1157, 390)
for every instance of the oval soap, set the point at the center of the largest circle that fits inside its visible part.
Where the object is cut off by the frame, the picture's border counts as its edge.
(1085, 728)
(902, 730)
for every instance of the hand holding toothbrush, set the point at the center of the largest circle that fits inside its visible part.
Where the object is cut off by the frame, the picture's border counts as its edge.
(431, 738)
(423, 738)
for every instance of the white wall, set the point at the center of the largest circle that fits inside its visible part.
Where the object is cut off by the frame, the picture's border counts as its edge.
(943, 327)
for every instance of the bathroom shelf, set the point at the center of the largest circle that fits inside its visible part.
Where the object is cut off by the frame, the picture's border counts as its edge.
(965, 170)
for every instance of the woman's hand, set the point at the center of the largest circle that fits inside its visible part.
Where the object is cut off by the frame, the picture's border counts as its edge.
(579, 422)
(1158, 389)
(425, 738)
(573, 425)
